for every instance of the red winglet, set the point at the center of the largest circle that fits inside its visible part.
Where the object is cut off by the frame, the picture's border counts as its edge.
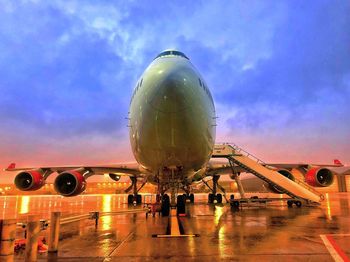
(12, 166)
(337, 162)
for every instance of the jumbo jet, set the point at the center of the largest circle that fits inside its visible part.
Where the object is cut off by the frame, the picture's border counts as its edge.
(172, 125)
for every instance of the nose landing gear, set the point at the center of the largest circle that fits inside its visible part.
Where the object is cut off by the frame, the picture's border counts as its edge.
(165, 207)
(181, 205)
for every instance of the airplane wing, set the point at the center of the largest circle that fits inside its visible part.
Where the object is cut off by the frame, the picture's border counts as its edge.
(336, 163)
(128, 169)
(344, 170)
(71, 180)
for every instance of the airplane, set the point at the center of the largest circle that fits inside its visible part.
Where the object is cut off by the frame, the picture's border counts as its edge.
(172, 126)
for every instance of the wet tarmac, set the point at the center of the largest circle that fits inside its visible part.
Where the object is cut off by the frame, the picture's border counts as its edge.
(266, 233)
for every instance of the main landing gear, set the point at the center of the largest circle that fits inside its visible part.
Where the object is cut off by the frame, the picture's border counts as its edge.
(134, 198)
(214, 196)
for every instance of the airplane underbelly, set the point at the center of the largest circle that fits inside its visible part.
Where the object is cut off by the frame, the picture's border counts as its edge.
(166, 139)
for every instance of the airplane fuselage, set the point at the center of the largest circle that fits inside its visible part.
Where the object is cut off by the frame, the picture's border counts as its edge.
(172, 117)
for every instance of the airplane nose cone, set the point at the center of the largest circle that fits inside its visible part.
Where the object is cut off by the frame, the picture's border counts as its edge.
(173, 94)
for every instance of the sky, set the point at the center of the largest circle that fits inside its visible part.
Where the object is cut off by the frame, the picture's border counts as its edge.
(279, 72)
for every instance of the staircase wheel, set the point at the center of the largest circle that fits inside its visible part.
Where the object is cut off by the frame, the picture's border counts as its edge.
(290, 203)
(298, 203)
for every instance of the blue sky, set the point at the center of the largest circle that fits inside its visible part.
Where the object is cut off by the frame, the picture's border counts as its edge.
(279, 72)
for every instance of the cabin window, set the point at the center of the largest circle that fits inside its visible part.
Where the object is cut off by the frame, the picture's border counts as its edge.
(172, 52)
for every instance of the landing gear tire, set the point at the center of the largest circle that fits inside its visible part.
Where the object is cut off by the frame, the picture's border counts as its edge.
(290, 203)
(130, 199)
(219, 198)
(192, 198)
(181, 205)
(211, 198)
(138, 199)
(165, 208)
(298, 203)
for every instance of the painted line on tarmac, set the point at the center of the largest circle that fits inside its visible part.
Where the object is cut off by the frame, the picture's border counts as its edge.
(333, 248)
(107, 258)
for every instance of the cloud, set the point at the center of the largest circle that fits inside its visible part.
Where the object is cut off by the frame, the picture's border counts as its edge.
(68, 68)
(305, 77)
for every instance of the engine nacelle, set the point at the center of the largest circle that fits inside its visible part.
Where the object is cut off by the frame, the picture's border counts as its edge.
(319, 177)
(284, 173)
(30, 180)
(70, 183)
(115, 177)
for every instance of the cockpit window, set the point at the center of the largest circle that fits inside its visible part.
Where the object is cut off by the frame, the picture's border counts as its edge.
(172, 52)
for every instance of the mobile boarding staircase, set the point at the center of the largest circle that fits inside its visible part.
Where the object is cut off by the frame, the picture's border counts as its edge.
(296, 189)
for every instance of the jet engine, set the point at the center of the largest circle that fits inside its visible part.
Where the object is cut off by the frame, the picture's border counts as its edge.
(284, 173)
(70, 183)
(30, 180)
(115, 177)
(319, 177)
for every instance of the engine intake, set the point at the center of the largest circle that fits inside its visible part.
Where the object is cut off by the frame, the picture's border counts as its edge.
(115, 177)
(284, 173)
(319, 177)
(70, 183)
(30, 180)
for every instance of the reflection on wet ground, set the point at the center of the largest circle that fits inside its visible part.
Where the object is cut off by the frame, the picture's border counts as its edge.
(274, 232)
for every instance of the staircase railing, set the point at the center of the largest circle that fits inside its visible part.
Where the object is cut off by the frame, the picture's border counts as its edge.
(240, 150)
